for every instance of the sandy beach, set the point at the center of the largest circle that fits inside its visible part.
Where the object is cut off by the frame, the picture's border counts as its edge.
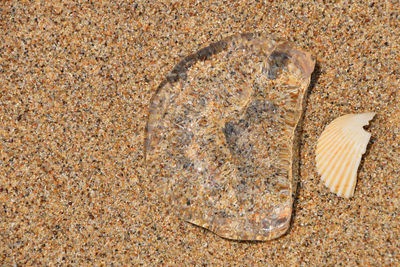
(76, 81)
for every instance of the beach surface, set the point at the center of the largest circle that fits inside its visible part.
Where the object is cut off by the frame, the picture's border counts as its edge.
(76, 81)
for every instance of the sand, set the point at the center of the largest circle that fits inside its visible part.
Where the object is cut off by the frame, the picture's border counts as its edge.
(75, 86)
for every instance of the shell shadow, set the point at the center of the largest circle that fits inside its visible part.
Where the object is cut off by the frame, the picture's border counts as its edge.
(371, 142)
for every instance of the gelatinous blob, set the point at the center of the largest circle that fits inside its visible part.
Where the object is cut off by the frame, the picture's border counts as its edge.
(221, 139)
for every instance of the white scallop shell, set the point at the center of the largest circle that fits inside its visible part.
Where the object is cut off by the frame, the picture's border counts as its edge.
(339, 151)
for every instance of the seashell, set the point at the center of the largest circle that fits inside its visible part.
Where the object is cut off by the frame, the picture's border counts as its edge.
(222, 135)
(339, 151)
